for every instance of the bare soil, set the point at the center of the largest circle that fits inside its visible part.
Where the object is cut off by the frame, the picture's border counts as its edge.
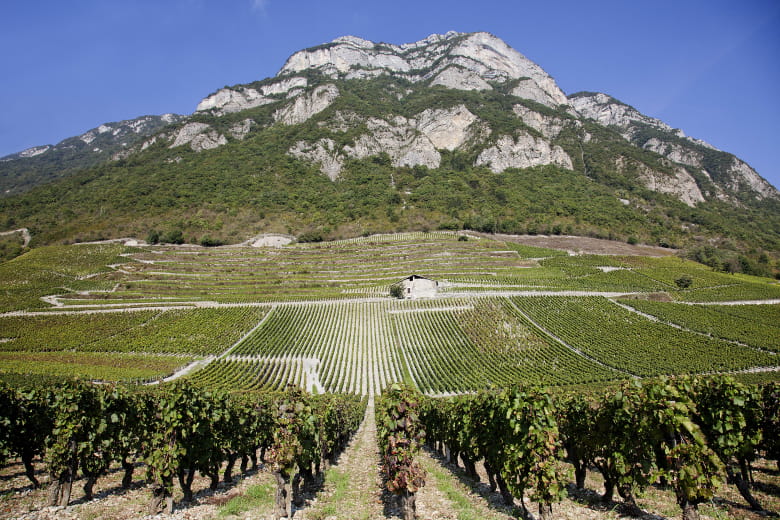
(582, 245)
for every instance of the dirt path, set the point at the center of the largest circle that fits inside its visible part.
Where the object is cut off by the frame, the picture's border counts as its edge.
(25, 235)
(581, 245)
(353, 488)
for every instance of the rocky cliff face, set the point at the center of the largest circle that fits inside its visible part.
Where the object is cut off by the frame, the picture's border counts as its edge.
(408, 141)
(454, 60)
(524, 151)
(228, 100)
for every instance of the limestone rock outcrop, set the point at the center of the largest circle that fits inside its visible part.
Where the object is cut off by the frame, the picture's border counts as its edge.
(399, 139)
(675, 152)
(229, 100)
(455, 60)
(199, 136)
(608, 111)
(548, 126)
(241, 129)
(408, 141)
(459, 78)
(307, 105)
(188, 132)
(744, 177)
(449, 128)
(523, 152)
(323, 152)
(680, 184)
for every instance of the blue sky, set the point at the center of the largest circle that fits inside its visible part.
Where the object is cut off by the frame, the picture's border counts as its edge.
(711, 68)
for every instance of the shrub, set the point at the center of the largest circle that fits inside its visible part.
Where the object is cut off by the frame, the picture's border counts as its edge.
(684, 281)
(397, 291)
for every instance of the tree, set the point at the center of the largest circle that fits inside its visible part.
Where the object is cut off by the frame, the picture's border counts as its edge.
(293, 434)
(770, 423)
(622, 451)
(76, 439)
(180, 441)
(577, 424)
(397, 291)
(689, 464)
(684, 281)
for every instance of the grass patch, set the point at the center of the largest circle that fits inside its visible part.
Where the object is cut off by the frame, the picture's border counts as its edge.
(339, 481)
(260, 497)
(454, 492)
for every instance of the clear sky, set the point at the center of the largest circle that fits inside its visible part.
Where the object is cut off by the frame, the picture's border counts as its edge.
(709, 67)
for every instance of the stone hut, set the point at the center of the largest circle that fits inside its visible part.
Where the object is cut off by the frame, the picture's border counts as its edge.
(416, 286)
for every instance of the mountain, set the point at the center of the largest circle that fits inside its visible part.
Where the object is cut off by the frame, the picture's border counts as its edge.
(456, 130)
(22, 171)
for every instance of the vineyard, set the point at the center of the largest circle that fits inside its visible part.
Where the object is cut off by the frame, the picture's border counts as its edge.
(320, 315)
(274, 333)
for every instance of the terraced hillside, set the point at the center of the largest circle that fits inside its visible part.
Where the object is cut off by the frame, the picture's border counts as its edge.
(320, 315)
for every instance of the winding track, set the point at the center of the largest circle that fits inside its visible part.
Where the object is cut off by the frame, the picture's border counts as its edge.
(25, 235)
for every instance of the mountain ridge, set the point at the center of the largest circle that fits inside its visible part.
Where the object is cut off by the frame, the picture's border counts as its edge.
(390, 122)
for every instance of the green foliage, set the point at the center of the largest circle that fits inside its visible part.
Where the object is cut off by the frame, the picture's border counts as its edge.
(25, 424)
(770, 423)
(26, 278)
(174, 236)
(79, 439)
(684, 281)
(730, 415)
(729, 261)
(577, 420)
(400, 435)
(295, 436)
(690, 465)
(755, 325)
(396, 291)
(623, 453)
(533, 447)
(207, 241)
(73, 154)
(181, 440)
(175, 332)
(630, 342)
